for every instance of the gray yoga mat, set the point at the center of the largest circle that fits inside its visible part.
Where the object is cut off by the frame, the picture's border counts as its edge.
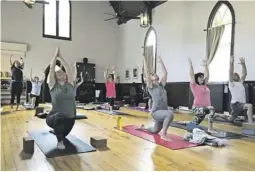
(235, 123)
(47, 142)
(115, 112)
(229, 135)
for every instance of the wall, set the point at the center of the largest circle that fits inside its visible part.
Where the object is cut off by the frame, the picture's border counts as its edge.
(92, 37)
(179, 27)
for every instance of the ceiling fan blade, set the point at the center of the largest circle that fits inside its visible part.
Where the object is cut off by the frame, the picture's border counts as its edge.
(110, 18)
(110, 14)
(131, 17)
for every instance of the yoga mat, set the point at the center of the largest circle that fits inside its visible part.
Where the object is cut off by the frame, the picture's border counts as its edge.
(80, 116)
(229, 135)
(235, 123)
(176, 143)
(138, 108)
(47, 142)
(114, 112)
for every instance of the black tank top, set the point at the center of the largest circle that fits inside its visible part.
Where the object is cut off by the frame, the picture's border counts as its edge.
(17, 74)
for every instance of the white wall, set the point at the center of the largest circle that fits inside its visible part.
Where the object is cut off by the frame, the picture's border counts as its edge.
(179, 27)
(92, 37)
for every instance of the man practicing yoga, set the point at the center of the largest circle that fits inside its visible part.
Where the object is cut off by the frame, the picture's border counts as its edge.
(110, 87)
(236, 87)
(17, 79)
(202, 98)
(36, 89)
(63, 112)
(160, 113)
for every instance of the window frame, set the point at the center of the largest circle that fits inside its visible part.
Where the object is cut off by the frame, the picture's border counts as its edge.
(145, 40)
(57, 23)
(212, 15)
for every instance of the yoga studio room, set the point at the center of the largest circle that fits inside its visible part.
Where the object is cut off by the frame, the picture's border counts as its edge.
(127, 85)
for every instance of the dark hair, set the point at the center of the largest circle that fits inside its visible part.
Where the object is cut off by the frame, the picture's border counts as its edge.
(47, 70)
(198, 75)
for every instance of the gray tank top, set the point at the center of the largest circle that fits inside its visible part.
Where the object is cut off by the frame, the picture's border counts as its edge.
(159, 97)
(63, 100)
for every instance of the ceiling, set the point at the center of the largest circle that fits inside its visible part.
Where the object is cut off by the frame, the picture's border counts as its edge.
(132, 8)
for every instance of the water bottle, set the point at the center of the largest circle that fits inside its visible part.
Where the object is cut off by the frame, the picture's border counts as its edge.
(119, 123)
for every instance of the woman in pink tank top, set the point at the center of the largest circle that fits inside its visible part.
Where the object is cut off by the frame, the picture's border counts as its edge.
(110, 87)
(202, 98)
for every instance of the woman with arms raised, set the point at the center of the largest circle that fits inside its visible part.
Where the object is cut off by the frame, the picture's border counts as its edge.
(62, 115)
(159, 111)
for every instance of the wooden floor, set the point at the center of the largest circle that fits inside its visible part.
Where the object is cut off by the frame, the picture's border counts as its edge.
(126, 152)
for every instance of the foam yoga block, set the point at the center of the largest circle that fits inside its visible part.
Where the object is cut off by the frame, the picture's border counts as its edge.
(98, 142)
(28, 145)
(39, 110)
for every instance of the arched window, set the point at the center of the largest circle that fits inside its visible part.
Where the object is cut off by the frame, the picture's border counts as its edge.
(222, 14)
(57, 19)
(151, 39)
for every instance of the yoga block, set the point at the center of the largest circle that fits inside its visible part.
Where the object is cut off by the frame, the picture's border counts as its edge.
(249, 132)
(219, 134)
(39, 110)
(248, 126)
(28, 145)
(98, 142)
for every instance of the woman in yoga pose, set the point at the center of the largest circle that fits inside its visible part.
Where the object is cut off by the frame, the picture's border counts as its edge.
(236, 87)
(110, 87)
(202, 99)
(36, 89)
(17, 79)
(160, 113)
(63, 112)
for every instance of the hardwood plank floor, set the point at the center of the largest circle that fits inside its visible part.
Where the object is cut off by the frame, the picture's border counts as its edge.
(125, 152)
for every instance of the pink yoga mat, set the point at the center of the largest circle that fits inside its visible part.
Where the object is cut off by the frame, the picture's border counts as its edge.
(176, 143)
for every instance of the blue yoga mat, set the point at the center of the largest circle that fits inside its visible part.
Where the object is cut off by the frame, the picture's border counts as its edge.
(47, 142)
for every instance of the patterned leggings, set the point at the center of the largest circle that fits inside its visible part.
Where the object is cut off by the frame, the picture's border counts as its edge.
(201, 112)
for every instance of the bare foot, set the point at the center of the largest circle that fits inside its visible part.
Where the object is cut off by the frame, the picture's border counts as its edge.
(142, 127)
(164, 137)
(61, 145)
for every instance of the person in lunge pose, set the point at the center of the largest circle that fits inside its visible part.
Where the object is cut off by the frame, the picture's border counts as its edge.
(160, 113)
(146, 95)
(110, 87)
(236, 87)
(202, 98)
(17, 79)
(62, 115)
(36, 89)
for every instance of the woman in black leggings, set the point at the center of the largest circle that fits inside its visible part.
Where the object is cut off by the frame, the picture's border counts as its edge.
(16, 82)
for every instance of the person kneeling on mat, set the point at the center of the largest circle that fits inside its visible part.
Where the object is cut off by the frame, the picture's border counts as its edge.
(236, 87)
(36, 89)
(62, 115)
(110, 81)
(160, 113)
(202, 101)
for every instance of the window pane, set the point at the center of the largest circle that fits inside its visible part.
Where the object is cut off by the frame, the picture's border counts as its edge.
(50, 18)
(64, 18)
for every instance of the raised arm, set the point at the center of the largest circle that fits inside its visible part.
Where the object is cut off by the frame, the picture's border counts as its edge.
(67, 68)
(114, 74)
(191, 72)
(51, 77)
(244, 69)
(75, 71)
(206, 72)
(231, 68)
(31, 76)
(106, 74)
(22, 63)
(11, 63)
(164, 71)
(147, 74)
(80, 81)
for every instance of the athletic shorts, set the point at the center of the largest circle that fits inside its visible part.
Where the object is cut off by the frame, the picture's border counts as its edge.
(237, 109)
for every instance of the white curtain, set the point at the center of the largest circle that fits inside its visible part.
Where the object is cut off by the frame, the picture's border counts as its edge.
(149, 57)
(213, 40)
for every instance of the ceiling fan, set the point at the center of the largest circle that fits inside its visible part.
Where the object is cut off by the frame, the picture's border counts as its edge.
(31, 3)
(119, 15)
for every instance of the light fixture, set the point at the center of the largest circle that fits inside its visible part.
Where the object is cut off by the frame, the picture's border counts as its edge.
(144, 19)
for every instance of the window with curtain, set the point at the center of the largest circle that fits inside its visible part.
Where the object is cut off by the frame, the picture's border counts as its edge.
(57, 19)
(151, 39)
(222, 14)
